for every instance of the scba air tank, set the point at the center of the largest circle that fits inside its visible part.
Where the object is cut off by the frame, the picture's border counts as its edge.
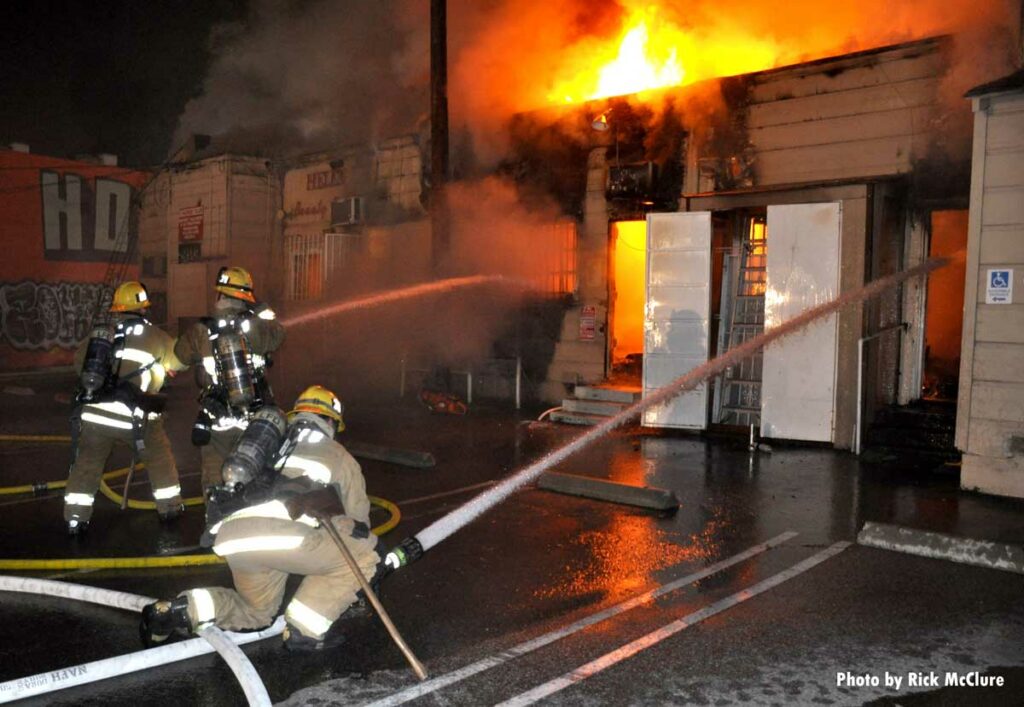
(234, 369)
(255, 450)
(99, 361)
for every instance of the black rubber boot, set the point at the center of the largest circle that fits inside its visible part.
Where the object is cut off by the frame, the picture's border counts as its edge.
(165, 621)
(296, 642)
(172, 513)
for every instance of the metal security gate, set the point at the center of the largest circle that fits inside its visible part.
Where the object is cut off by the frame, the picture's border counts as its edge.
(677, 313)
(312, 260)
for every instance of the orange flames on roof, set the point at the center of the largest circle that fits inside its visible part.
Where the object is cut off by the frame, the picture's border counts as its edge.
(652, 53)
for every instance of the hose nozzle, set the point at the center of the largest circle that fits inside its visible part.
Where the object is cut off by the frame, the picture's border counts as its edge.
(406, 552)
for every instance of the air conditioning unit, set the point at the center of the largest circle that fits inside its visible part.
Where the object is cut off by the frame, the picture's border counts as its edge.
(347, 212)
(631, 180)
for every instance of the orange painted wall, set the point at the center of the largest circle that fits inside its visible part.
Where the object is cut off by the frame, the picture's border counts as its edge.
(58, 222)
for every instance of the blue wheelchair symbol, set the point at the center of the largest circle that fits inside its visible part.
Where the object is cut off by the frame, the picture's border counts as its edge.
(1000, 278)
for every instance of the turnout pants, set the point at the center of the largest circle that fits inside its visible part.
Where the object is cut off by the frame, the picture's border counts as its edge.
(213, 455)
(261, 553)
(95, 444)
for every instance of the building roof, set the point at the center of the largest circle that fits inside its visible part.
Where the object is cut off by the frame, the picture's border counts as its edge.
(1013, 82)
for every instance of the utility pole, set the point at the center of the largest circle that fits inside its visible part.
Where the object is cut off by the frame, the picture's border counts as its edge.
(439, 232)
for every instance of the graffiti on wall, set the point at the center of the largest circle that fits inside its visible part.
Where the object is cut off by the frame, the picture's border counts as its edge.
(43, 315)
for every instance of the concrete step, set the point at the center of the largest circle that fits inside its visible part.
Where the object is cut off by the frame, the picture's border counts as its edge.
(577, 418)
(608, 393)
(593, 407)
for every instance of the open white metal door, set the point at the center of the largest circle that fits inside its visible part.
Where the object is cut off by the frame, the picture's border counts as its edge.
(677, 313)
(798, 386)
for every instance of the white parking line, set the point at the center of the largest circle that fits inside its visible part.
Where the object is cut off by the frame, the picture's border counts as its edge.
(424, 688)
(654, 637)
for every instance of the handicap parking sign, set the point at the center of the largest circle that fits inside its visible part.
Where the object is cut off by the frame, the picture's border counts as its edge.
(999, 287)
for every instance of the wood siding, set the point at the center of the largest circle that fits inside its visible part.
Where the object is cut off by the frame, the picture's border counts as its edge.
(990, 415)
(860, 117)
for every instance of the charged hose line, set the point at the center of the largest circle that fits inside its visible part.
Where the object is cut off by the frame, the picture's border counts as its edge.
(210, 639)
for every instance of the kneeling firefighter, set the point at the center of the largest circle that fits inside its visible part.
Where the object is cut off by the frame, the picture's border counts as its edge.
(280, 482)
(123, 366)
(230, 351)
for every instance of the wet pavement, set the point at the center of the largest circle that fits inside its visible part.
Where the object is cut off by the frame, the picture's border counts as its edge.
(534, 565)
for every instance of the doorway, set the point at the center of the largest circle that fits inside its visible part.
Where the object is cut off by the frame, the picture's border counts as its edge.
(740, 315)
(943, 327)
(626, 296)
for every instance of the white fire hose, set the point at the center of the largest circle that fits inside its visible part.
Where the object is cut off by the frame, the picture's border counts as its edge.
(212, 639)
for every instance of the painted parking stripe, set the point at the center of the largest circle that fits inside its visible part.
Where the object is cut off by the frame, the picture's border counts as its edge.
(437, 683)
(654, 637)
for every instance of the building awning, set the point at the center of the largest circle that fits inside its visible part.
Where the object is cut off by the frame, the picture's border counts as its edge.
(1013, 82)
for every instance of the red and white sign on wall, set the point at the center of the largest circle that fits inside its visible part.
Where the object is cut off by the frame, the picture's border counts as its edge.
(190, 224)
(588, 323)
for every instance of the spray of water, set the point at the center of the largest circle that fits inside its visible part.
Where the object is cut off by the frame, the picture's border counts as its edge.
(442, 528)
(397, 295)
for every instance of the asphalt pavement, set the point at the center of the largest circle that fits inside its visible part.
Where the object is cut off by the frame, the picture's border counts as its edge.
(750, 593)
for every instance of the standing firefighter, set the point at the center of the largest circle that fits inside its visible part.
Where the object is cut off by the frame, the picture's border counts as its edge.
(231, 352)
(265, 523)
(123, 365)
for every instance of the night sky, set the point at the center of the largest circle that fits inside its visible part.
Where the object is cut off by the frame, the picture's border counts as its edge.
(104, 76)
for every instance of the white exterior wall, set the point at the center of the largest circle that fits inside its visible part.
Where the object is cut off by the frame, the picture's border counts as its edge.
(239, 198)
(851, 118)
(990, 413)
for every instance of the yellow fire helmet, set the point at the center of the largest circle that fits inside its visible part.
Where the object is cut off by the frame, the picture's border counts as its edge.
(320, 401)
(130, 296)
(235, 282)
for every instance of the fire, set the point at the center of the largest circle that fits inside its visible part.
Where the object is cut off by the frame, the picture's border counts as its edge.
(653, 53)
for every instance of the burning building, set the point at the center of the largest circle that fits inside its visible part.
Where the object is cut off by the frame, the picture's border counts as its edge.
(712, 211)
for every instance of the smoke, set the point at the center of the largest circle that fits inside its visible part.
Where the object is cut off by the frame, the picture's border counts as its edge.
(313, 74)
(357, 344)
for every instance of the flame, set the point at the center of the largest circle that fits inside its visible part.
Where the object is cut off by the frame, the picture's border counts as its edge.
(652, 53)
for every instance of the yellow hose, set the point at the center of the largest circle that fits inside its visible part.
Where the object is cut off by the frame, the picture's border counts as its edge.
(53, 485)
(111, 563)
(142, 505)
(35, 438)
(396, 515)
(124, 563)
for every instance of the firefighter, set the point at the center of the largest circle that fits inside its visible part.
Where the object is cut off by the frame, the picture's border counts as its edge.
(276, 533)
(123, 365)
(230, 351)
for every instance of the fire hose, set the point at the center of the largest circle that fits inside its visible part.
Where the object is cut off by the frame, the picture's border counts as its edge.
(211, 639)
(394, 517)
